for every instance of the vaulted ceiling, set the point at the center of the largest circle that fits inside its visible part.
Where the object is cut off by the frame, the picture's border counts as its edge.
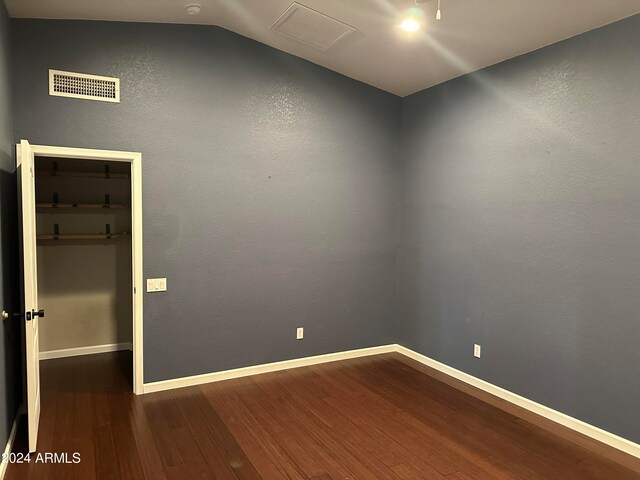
(366, 42)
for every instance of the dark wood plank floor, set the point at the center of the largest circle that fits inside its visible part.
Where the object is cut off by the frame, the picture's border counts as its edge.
(370, 418)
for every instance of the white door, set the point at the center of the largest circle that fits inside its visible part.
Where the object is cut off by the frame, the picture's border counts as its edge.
(26, 198)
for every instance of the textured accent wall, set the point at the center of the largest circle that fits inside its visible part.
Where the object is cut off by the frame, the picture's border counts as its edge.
(10, 362)
(521, 225)
(269, 186)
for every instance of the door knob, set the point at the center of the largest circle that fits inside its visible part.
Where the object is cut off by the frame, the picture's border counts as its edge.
(5, 315)
(30, 315)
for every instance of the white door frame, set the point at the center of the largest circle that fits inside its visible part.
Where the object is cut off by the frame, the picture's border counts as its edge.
(135, 159)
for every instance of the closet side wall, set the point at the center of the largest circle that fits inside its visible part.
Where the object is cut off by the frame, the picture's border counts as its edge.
(82, 288)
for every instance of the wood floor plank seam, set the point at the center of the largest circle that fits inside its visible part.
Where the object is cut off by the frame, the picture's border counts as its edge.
(260, 438)
(413, 426)
(322, 438)
(464, 439)
(207, 446)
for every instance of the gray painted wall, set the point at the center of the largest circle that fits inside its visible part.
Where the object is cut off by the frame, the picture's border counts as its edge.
(269, 185)
(521, 225)
(271, 188)
(10, 363)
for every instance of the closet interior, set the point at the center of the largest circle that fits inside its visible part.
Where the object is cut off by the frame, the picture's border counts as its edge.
(83, 224)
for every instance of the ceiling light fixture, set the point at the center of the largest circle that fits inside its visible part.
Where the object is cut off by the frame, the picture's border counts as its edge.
(410, 25)
(193, 8)
(412, 20)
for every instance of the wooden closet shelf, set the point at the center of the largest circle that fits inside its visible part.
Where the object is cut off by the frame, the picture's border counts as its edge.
(106, 206)
(81, 236)
(48, 173)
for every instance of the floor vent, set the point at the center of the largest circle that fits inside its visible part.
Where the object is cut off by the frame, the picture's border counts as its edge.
(81, 85)
(311, 27)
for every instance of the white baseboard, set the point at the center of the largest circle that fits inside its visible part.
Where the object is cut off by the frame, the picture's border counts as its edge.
(10, 440)
(579, 426)
(264, 368)
(74, 352)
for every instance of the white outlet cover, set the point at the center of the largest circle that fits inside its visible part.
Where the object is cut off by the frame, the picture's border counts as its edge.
(299, 333)
(477, 350)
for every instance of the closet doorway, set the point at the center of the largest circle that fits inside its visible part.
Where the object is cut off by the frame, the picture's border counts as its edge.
(81, 213)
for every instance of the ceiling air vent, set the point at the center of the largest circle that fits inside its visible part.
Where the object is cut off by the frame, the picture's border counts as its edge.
(81, 85)
(311, 27)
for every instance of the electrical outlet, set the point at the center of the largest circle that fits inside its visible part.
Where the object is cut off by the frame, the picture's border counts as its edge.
(299, 333)
(477, 350)
(156, 284)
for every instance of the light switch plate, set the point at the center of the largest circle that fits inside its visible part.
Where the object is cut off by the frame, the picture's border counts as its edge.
(156, 284)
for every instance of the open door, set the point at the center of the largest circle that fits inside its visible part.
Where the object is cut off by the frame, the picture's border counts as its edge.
(27, 202)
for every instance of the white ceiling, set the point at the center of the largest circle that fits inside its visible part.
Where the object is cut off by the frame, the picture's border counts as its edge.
(472, 33)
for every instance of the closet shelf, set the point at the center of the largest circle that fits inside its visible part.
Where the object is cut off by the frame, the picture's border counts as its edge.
(81, 236)
(59, 173)
(106, 206)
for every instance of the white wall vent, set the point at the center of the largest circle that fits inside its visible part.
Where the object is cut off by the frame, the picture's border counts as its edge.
(81, 85)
